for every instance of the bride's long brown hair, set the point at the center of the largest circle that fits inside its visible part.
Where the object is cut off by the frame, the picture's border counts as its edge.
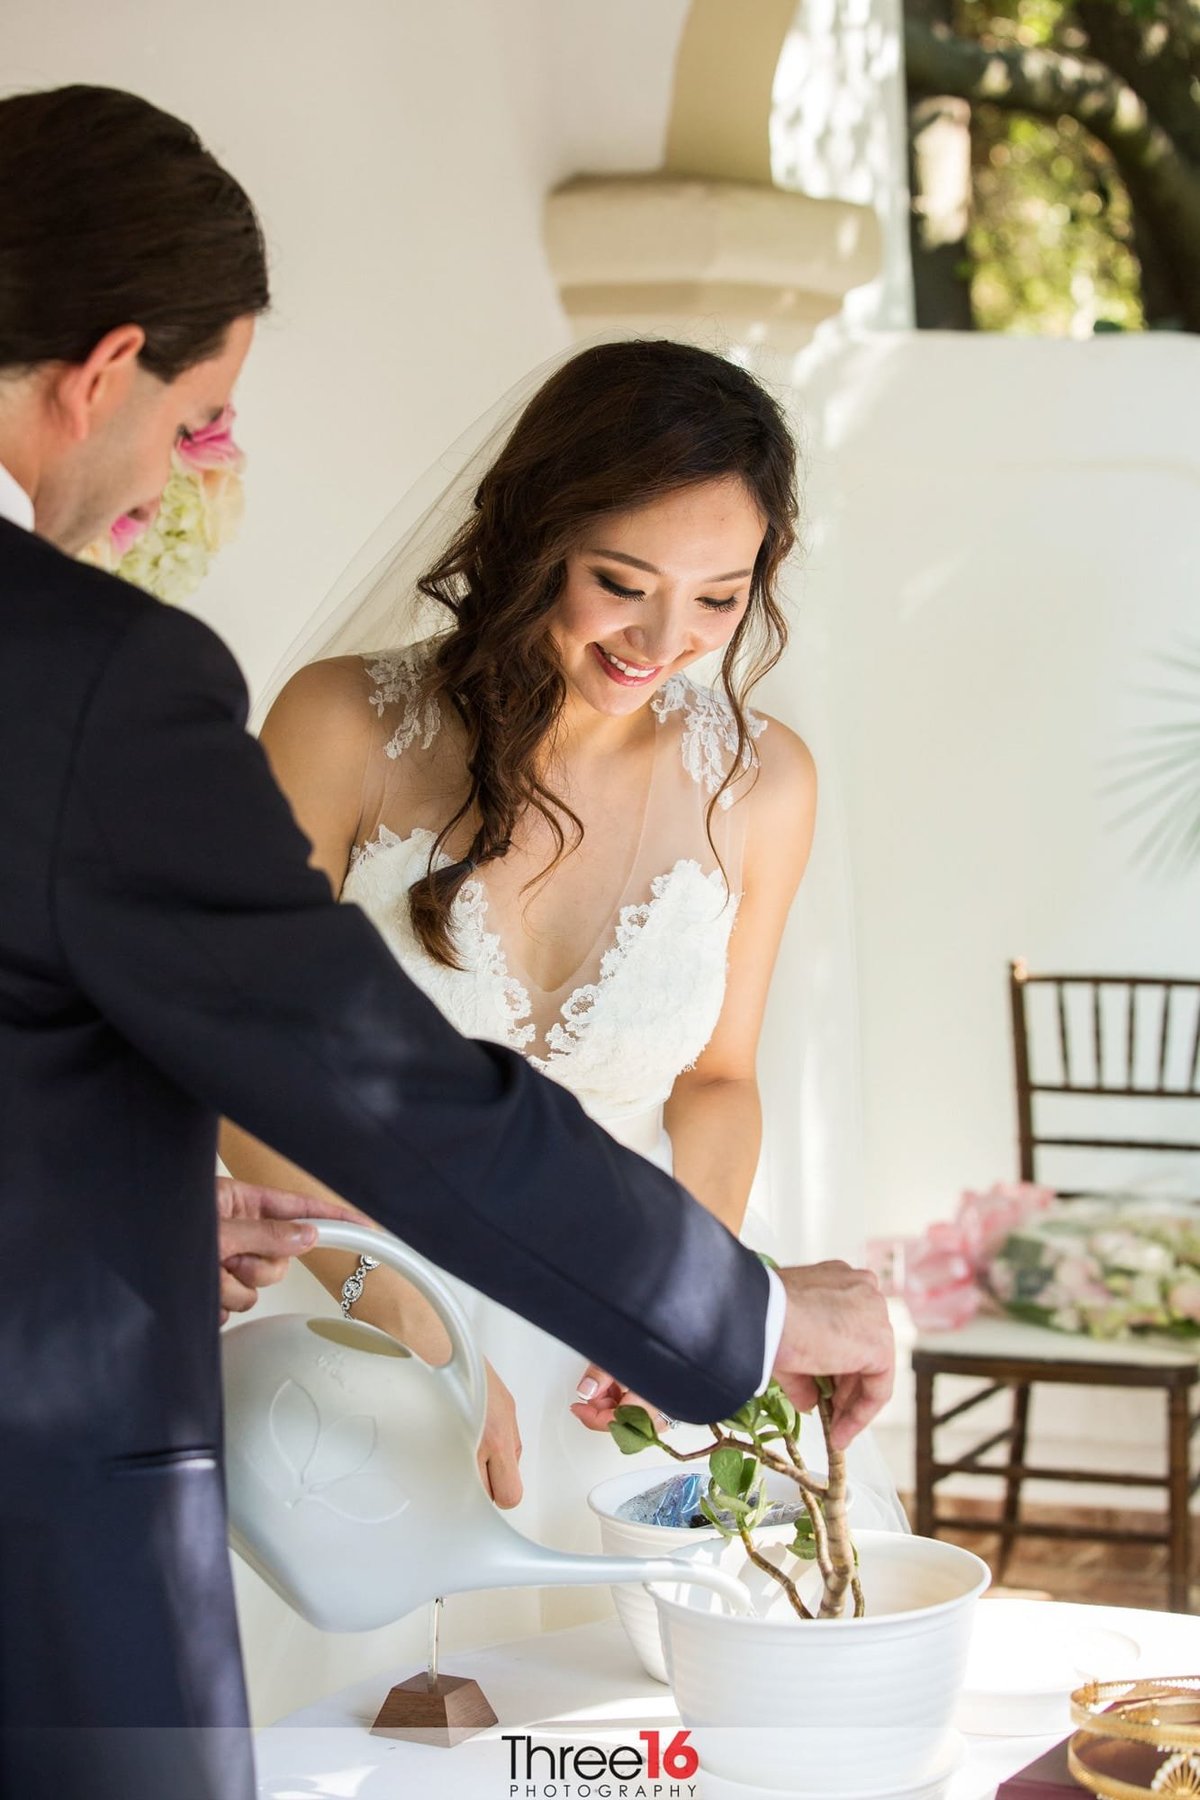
(618, 426)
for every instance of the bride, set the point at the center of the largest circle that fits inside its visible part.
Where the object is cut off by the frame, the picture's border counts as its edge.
(568, 843)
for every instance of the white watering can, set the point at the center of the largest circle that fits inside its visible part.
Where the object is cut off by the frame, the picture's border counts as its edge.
(352, 1481)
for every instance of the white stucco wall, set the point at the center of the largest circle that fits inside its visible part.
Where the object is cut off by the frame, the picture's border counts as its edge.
(399, 155)
(838, 131)
(1003, 541)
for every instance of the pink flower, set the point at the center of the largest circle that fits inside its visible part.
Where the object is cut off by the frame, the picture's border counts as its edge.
(1184, 1299)
(940, 1285)
(212, 447)
(126, 531)
(987, 1219)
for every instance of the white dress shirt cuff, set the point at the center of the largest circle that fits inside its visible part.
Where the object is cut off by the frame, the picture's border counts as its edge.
(776, 1312)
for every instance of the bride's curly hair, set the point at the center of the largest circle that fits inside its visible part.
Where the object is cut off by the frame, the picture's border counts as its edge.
(616, 427)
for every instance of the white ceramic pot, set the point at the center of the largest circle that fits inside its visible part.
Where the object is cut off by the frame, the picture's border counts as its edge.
(625, 1537)
(824, 1706)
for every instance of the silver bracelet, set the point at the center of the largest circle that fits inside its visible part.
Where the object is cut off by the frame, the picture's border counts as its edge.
(352, 1287)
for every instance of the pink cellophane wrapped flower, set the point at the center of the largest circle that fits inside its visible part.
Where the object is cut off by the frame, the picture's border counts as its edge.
(939, 1279)
(987, 1219)
(943, 1268)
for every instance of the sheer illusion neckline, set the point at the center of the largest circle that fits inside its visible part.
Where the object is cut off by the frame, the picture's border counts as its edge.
(646, 991)
(509, 933)
(485, 952)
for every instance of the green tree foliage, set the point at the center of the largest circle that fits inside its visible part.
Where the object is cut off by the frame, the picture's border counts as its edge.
(1051, 240)
(1084, 119)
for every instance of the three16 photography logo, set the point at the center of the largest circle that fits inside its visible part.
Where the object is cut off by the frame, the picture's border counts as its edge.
(651, 1769)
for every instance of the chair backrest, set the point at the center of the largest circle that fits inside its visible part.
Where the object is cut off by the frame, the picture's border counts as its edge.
(1111, 1044)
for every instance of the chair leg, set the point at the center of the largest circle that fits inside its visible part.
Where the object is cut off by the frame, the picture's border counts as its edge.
(1179, 1490)
(924, 1453)
(1010, 1517)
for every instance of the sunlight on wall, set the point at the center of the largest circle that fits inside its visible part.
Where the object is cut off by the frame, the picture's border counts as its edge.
(838, 131)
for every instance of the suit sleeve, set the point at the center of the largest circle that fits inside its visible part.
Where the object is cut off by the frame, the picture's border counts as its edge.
(189, 915)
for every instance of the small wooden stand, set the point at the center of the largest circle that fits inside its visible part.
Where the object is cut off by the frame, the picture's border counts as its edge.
(444, 1710)
(433, 1708)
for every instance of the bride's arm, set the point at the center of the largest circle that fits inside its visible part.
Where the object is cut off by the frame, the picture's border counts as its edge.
(317, 737)
(713, 1117)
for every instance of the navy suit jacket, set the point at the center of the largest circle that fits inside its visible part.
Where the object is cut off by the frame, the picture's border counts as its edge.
(167, 955)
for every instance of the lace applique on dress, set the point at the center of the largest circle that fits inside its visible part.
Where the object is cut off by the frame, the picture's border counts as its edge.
(647, 999)
(696, 901)
(483, 954)
(398, 679)
(710, 737)
(482, 998)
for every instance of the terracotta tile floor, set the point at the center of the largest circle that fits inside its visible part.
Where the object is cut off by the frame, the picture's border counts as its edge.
(1102, 1574)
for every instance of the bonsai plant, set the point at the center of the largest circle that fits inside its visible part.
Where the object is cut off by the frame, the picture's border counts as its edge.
(765, 1434)
(828, 1692)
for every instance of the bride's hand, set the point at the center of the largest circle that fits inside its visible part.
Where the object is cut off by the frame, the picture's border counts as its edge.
(598, 1402)
(500, 1445)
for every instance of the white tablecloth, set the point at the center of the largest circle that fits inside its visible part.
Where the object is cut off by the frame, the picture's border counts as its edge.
(584, 1686)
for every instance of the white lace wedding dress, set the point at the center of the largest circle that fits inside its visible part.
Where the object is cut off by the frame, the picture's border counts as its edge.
(617, 1031)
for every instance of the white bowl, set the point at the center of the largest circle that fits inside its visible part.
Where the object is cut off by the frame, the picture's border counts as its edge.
(872, 1699)
(1025, 1660)
(624, 1537)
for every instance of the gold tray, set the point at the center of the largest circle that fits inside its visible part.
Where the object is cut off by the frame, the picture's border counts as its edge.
(1140, 1739)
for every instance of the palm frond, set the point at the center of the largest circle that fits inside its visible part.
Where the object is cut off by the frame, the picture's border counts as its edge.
(1158, 775)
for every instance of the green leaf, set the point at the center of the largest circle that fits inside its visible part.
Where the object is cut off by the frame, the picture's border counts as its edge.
(725, 1467)
(781, 1410)
(632, 1430)
(733, 1504)
(711, 1515)
(746, 1417)
(804, 1544)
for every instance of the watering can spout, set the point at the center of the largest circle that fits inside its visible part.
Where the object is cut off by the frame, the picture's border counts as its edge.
(351, 1466)
(547, 1568)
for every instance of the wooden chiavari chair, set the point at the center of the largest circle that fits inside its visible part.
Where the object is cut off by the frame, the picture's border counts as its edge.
(1106, 1062)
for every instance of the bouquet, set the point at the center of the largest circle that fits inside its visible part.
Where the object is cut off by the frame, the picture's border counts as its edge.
(941, 1274)
(1109, 1267)
(200, 510)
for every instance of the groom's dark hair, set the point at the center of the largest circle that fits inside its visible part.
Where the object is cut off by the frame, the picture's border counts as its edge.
(114, 213)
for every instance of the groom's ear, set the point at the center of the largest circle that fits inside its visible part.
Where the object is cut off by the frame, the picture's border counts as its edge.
(87, 394)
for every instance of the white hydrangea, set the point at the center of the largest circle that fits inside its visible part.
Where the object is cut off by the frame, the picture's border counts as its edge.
(199, 513)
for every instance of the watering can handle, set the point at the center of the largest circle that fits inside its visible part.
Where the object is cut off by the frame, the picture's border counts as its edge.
(464, 1371)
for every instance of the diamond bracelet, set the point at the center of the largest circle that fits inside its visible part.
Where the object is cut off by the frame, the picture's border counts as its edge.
(352, 1287)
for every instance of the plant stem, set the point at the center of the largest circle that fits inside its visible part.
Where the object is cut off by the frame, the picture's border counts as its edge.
(840, 1546)
(794, 1470)
(768, 1568)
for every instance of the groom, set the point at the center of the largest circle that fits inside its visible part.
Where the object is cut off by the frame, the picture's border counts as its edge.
(167, 956)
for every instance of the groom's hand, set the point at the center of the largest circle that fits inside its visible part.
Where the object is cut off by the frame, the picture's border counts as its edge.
(257, 1235)
(836, 1325)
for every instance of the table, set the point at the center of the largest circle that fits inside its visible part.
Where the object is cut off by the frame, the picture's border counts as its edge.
(583, 1686)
